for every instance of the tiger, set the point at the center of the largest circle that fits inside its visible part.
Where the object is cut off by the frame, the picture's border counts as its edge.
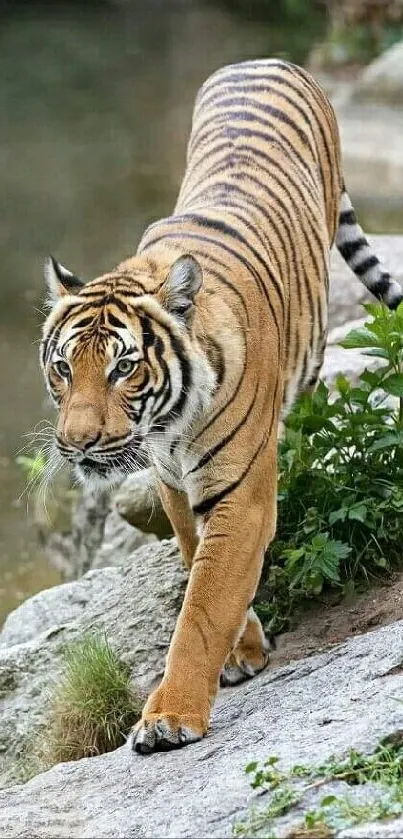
(190, 353)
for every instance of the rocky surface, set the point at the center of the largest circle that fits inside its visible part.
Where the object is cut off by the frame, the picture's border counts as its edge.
(370, 119)
(382, 80)
(303, 713)
(99, 536)
(138, 502)
(135, 605)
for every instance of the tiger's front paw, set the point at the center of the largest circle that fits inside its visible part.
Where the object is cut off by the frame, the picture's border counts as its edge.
(162, 728)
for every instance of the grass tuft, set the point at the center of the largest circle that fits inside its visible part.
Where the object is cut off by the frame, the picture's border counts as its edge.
(93, 707)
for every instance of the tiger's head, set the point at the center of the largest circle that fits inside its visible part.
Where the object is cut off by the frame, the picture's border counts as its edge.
(122, 363)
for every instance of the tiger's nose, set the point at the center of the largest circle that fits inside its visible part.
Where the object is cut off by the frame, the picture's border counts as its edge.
(82, 428)
(83, 440)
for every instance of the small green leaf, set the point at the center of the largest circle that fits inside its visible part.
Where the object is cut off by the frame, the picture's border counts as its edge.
(358, 338)
(338, 515)
(328, 800)
(394, 384)
(358, 512)
(251, 767)
(387, 441)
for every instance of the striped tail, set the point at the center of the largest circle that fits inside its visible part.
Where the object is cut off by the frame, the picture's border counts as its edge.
(360, 257)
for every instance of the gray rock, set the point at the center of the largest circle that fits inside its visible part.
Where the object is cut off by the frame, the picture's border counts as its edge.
(303, 713)
(135, 605)
(98, 536)
(138, 502)
(382, 80)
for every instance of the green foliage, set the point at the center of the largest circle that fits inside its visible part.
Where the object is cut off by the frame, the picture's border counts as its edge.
(340, 510)
(335, 812)
(93, 707)
(32, 466)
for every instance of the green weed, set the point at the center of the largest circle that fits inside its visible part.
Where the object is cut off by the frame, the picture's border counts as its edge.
(335, 812)
(33, 466)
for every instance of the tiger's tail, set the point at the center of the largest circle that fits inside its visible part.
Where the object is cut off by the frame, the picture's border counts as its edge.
(360, 257)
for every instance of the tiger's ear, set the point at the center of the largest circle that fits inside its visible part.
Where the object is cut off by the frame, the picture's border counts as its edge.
(59, 281)
(181, 286)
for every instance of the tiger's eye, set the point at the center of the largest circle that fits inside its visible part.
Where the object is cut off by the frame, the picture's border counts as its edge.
(63, 369)
(125, 366)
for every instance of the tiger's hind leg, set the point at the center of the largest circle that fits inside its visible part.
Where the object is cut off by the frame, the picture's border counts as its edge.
(249, 656)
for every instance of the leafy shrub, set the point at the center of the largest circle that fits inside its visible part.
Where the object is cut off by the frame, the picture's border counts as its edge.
(340, 511)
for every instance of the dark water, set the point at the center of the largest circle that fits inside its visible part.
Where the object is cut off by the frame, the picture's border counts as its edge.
(97, 102)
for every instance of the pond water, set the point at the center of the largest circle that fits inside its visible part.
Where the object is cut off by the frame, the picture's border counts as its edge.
(97, 101)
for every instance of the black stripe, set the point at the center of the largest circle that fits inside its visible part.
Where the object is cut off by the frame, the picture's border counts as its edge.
(223, 408)
(348, 217)
(114, 321)
(227, 229)
(256, 206)
(221, 76)
(233, 132)
(396, 302)
(216, 224)
(366, 266)
(147, 333)
(328, 114)
(186, 373)
(83, 322)
(270, 90)
(220, 244)
(276, 113)
(207, 505)
(218, 276)
(116, 301)
(349, 249)
(215, 356)
(225, 440)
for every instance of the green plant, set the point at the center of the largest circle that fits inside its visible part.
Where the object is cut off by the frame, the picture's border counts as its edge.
(340, 499)
(32, 466)
(335, 812)
(93, 706)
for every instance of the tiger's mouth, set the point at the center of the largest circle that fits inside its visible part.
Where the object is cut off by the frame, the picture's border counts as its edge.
(89, 467)
(111, 470)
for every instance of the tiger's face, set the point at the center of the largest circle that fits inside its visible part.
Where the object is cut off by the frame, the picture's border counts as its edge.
(121, 363)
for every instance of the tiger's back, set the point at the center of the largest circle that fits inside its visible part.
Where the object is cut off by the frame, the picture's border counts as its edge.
(262, 193)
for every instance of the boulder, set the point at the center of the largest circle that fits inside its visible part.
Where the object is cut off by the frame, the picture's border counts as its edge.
(98, 535)
(135, 605)
(138, 502)
(382, 80)
(302, 713)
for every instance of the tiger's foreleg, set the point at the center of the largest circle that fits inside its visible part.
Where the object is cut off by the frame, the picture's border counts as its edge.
(179, 512)
(222, 583)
